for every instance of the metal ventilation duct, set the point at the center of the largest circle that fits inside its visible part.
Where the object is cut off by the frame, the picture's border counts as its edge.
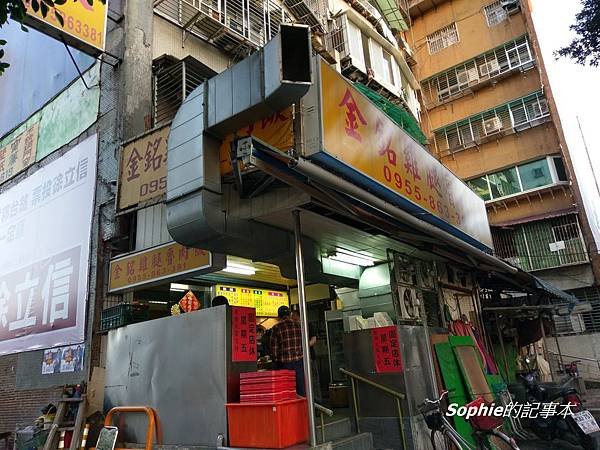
(269, 80)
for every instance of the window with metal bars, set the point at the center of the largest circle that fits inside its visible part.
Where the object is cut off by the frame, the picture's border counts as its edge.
(517, 115)
(495, 13)
(513, 56)
(173, 82)
(541, 244)
(236, 26)
(590, 320)
(514, 180)
(442, 38)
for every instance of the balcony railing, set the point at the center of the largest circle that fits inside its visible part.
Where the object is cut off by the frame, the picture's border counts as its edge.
(236, 26)
(517, 115)
(514, 56)
(541, 244)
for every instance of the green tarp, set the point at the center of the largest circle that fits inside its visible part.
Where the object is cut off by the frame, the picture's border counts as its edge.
(453, 382)
(401, 117)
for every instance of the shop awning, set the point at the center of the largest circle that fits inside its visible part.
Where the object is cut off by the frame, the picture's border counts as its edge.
(553, 291)
(549, 215)
(544, 295)
(314, 179)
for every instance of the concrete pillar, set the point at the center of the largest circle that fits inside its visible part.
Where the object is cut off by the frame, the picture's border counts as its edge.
(136, 98)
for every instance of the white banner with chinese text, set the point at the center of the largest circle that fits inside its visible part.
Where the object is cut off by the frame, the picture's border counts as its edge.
(45, 226)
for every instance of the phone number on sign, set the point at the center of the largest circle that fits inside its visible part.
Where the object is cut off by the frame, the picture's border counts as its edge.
(153, 187)
(77, 27)
(413, 190)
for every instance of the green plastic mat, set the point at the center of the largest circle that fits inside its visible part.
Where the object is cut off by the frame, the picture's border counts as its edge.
(399, 115)
(453, 382)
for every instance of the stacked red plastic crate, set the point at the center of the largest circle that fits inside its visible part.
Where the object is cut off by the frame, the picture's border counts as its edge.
(267, 386)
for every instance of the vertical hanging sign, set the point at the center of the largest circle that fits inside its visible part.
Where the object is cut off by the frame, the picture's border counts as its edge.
(386, 349)
(243, 334)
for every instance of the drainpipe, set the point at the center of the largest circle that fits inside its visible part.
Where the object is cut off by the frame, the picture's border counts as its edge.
(304, 327)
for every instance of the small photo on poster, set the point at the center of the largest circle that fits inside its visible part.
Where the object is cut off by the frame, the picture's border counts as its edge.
(51, 361)
(72, 358)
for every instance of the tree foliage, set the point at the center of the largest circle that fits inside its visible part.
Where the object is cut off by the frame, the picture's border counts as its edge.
(17, 9)
(14, 9)
(585, 48)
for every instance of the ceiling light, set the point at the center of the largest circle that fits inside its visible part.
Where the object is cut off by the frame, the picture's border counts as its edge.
(240, 269)
(352, 258)
(180, 287)
(158, 302)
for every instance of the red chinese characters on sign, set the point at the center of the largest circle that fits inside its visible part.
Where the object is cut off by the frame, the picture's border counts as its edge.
(386, 349)
(243, 334)
(274, 119)
(189, 302)
(353, 116)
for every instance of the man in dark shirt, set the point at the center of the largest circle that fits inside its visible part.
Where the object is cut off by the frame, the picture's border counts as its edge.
(286, 347)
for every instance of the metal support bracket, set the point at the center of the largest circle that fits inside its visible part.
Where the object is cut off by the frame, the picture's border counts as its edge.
(75, 64)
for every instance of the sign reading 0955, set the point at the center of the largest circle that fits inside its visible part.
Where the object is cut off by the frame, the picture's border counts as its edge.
(79, 23)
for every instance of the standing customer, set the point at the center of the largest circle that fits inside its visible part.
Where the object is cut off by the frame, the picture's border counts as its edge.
(286, 347)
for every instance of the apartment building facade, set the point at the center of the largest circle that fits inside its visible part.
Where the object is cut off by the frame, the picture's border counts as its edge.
(489, 115)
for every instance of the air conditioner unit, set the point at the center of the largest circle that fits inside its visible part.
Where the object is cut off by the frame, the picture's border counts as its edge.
(410, 303)
(511, 6)
(468, 76)
(492, 125)
(489, 67)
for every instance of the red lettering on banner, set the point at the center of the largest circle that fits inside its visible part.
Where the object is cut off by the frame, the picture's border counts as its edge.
(133, 165)
(386, 146)
(410, 164)
(386, 349)
(433, 180)
(352, 114)
(243, 334)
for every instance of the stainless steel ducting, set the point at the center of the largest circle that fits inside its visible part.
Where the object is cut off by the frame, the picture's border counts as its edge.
(276, 76)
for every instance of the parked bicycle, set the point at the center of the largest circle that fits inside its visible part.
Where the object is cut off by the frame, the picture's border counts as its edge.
(444, 436)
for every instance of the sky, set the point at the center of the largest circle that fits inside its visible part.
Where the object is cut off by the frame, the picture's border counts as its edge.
(576, 89)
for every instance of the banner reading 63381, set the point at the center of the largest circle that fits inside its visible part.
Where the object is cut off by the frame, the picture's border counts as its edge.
(80, 23)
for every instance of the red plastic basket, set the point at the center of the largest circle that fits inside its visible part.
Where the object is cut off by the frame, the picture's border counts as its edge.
(484, 422)
(268, 425)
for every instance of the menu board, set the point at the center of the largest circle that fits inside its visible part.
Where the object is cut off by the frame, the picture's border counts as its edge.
(386, 349)
(265, 301)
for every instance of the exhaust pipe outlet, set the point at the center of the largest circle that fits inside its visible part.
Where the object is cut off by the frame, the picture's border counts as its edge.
(267, 81)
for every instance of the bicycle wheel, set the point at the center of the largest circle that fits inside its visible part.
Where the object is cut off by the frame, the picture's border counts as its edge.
(444, 440)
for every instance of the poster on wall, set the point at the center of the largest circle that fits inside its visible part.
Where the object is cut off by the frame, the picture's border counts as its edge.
(386, 349)
(243, 334)
(45, 226)
(63, 359)
(18, 154)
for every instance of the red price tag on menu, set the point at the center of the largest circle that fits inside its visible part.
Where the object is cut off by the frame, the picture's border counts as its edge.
(243, 334)
(386, 349)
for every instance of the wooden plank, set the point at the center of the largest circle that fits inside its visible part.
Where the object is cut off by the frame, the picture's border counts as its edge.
(53, 433)
(79, 422)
